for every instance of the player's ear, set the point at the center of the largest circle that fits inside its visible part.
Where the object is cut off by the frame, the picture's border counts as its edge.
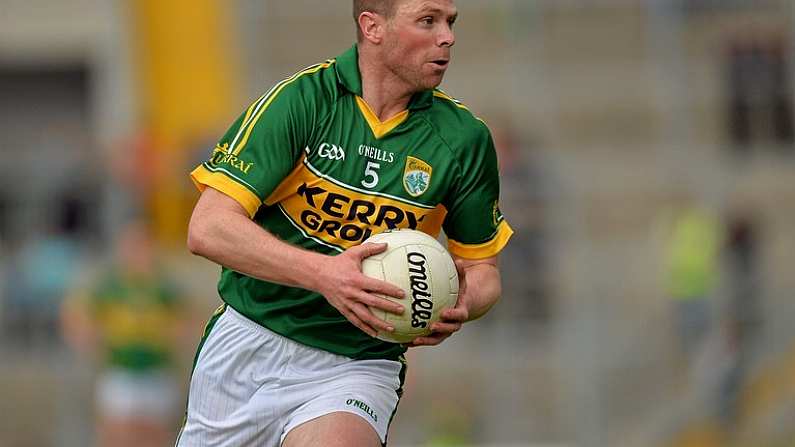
(372, 27)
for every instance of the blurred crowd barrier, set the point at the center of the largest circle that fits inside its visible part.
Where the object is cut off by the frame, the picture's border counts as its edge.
(647, 157)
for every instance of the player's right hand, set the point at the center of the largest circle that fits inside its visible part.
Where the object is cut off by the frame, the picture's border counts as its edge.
(346, 288)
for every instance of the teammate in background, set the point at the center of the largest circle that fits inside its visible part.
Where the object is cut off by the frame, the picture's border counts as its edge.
(129, 318)
(337, 152)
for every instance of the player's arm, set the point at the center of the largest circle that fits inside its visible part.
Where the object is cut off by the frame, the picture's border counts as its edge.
(481, 285)
(479, 288)
(475, 229)
(221, 230)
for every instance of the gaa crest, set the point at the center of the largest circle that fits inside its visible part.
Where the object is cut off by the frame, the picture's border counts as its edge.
(416, 176)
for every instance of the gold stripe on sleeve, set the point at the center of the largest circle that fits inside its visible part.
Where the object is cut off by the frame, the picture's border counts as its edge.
(253, 122)
(486, 249)
(203, 177)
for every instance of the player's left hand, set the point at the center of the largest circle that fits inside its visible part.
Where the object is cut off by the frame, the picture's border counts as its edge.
(451, 319)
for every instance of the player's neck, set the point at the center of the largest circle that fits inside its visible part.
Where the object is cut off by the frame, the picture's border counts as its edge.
(386, 94)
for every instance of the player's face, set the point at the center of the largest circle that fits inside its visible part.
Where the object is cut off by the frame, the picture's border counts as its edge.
(417, 41)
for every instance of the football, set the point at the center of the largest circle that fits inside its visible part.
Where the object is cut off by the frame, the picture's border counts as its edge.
(420, 265)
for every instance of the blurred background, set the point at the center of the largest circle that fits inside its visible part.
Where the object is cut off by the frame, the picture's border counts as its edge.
(647, 151)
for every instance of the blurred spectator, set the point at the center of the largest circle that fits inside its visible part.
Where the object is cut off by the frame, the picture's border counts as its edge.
(743, 316)
(759, 93)
(132, 167)
(129, 319)
(691, 271)
(39, 277)
(525, 262)
(742, 250)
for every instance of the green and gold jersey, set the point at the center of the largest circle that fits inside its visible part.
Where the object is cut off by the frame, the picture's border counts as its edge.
(136, 318)
(313, 165)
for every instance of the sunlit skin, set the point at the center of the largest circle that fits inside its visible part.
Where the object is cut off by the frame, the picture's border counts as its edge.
(418, 42)
(406, 53)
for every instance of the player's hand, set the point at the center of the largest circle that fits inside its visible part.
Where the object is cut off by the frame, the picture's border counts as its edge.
(451, 319)
(347, 289)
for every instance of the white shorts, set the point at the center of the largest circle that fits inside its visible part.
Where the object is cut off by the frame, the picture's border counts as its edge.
(251, 386)
(147, 395)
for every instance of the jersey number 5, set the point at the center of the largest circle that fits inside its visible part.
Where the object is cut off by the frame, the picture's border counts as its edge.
(371, 174)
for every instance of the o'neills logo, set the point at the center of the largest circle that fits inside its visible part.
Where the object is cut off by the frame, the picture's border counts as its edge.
(421, 306)
(362, 406)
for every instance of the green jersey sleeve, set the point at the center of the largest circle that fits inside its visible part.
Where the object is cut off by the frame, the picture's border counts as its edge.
(474, 225)
(263, 145)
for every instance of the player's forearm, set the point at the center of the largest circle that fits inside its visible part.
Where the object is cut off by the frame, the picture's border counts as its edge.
(236, 242)
(484, 289)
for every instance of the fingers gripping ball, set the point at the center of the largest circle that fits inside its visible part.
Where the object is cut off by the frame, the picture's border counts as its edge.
(417, 263)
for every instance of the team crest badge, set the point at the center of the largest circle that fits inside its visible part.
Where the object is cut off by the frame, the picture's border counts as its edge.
(416, 176)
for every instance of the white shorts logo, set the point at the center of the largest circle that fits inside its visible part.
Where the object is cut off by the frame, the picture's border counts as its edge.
(331, 151)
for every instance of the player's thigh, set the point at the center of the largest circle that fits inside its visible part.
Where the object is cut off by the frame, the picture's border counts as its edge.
(338, 429)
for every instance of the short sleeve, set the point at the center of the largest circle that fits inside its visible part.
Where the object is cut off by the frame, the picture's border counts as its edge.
(474, 224)
(260, 148)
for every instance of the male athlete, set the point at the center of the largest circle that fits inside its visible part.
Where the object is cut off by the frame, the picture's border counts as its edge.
(337, 152)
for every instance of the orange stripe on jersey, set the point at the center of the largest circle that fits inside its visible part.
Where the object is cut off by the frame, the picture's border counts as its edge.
(345, 217)
(380, 128)
(203, 177)
(486, 249)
